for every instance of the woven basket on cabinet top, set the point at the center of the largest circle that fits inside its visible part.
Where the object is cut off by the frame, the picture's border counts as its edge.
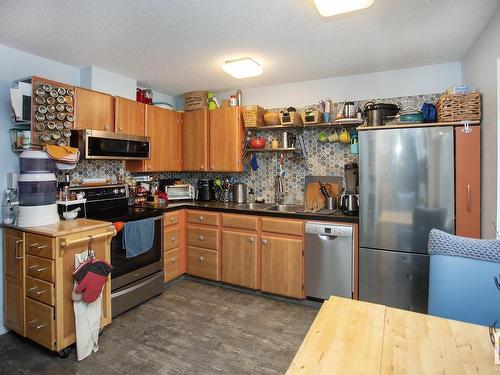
(459, 107)
(253, 116)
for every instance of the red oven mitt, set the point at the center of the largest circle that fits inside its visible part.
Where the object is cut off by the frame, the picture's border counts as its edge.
(94, 279)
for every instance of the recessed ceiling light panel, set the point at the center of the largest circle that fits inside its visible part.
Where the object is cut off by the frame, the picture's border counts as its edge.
(329, 8)
(242, 68)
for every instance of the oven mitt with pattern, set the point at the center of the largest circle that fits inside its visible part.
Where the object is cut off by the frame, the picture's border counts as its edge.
(93, 281)
(78, 274)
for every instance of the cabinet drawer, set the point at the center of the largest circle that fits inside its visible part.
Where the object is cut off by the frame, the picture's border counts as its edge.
(40, 245)
(171, 238)
(202, 237)
(40, 290)
(239, 221)
(40, 268)
(40, 323)
(202, 263)
(203, 217)
(171, 262)
(171, 218)
(282, 226)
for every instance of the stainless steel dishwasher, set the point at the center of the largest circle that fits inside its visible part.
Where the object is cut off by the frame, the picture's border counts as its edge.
(329, 260)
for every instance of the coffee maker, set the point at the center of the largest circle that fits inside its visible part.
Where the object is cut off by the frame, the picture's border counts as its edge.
(349, 200)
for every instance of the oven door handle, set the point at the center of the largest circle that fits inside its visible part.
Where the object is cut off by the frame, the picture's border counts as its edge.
(137, 286)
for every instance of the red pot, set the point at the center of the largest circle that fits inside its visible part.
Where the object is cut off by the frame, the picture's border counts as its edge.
(257, 142)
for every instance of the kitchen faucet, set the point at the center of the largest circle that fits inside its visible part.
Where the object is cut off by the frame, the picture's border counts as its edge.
(279, 190)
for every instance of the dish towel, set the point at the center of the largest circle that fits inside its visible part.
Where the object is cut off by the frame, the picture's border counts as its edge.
(138, 237)
(87, 319)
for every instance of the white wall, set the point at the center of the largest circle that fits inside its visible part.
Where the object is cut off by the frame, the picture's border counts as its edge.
(15, 64)
(480, 73)
(412, 81)
(98, 79)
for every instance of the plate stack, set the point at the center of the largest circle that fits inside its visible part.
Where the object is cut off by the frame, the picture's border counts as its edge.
(37, 190)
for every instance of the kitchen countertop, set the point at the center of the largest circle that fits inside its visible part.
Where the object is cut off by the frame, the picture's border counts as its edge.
(338, 216)
(63, 228)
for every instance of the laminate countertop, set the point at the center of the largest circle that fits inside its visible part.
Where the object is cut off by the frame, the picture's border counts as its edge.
(337, 216)
(64, 228)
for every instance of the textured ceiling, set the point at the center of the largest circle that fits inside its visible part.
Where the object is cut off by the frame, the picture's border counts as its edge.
(179, 45)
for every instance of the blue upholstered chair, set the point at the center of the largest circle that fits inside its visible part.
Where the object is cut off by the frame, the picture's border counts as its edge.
(462, 278)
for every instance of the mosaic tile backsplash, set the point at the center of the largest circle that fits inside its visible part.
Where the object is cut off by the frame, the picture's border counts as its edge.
(323, 159)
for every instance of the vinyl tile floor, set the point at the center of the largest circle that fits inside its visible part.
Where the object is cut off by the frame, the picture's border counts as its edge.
(192, 328)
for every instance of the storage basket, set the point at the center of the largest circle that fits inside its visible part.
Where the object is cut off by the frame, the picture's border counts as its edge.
(253, 116)
(459, 107)
(290, 118)
(195, 101)
(311, 116)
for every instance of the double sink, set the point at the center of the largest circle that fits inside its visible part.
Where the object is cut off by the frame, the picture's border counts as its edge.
(272, 207)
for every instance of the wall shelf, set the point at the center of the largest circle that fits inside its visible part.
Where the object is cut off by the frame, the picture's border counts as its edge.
(330, 125)
(420, 125)
(251, 150)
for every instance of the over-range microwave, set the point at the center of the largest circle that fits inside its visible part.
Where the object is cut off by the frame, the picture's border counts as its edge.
(96, 144)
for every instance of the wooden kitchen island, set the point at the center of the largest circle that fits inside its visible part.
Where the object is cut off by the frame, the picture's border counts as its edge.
(38, 281)
(354, 337)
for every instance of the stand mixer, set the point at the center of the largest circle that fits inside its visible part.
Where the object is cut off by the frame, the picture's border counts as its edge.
(349, 200)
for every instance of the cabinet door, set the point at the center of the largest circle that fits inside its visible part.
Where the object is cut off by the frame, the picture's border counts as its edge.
(14, 256)
(14, 307)
(226, 139)
(129, 116)
(195, 141)
(468, 182)
(94, 110)
(239, 259)
(282, 266)
(163, 126)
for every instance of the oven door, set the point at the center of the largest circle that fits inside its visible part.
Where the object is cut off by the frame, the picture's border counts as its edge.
(127, 270)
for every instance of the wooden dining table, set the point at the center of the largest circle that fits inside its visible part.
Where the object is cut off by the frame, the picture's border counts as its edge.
(354, 337)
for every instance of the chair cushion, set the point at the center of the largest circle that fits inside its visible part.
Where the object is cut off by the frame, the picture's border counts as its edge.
(442, 243)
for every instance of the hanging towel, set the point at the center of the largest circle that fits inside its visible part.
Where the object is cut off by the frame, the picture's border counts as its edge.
(87, 319)
(138, 237)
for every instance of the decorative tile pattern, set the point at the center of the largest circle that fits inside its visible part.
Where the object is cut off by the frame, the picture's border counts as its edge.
(323, 159)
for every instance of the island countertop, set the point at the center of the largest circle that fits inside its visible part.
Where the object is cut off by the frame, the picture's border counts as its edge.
(63, 228)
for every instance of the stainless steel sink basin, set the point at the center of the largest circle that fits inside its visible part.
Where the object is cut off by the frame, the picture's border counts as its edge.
(254, 206)
(286, 208)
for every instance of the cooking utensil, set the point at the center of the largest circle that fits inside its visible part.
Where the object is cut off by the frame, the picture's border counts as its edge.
(257, 143)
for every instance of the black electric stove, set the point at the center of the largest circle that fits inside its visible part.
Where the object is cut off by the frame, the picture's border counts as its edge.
(134, 279)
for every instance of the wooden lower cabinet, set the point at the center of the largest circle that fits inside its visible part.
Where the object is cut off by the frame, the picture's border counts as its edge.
(14, 307)
(171, 262)
(202, 262)
(282, 266)
(239, 259)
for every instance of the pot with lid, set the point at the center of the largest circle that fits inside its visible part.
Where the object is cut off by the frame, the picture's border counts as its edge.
(377, 113)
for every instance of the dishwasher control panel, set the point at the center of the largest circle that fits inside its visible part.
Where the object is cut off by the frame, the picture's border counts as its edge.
(329, 230)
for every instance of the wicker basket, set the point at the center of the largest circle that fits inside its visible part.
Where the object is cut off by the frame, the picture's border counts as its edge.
(459, 107)
(253, 116)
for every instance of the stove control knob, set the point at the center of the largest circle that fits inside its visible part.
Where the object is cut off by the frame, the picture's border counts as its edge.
(115, 191)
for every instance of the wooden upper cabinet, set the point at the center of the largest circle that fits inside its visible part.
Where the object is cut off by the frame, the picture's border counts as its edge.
(129, 116)
(226, 135)
(164, 127)
(94, 110)
(282, 266)
(239, 259)
(468, 182)
(195, 141)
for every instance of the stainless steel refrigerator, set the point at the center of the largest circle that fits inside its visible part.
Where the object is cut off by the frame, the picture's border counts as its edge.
(406, 188)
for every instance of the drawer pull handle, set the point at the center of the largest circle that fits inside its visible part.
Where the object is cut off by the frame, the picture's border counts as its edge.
(173, 238)
(201, 238)
(33, 290)
(172, 219)
(33, 323)
(35, 268)
(19, 254)
(201, 218)
(251, 239)
(173, 260)
(265, 242)
(37, 246)
(202, 259)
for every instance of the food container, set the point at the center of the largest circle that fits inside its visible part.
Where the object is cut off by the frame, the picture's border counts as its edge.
(33, 161)
(37, 189)
(239, 191)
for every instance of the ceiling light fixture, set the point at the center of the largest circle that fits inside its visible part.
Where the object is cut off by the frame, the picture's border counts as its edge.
(242, 68)
(329, 8)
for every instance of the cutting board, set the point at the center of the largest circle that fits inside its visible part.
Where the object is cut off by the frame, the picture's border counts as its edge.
(315, 200)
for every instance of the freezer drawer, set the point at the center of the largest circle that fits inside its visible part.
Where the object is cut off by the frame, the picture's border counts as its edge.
(394, 279)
